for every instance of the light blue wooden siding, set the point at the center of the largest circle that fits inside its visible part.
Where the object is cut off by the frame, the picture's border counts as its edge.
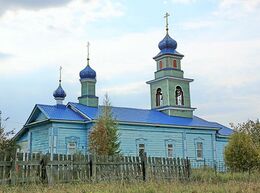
(154, 138)
(39, 138)
(220, 146)
(192, 137)
(23, 138)
(71, 131)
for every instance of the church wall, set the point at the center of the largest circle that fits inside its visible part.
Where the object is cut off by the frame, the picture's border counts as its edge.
(70, 132)
(38, 138)
(220, 147)
(156, 139)
(193, 137)
(23, 143)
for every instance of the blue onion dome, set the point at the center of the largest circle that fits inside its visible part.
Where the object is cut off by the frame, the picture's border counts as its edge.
(59, 92)
(167, 44)
(87, 72)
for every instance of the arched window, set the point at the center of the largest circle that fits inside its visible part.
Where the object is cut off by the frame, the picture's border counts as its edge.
(161, 66)
(179, 96)
(159, 97)
(174, 64)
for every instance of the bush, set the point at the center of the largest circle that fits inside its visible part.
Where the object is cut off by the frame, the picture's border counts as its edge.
(241, 154)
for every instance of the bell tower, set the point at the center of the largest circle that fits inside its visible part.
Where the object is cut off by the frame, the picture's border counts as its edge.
(88, 85)
(170, 91)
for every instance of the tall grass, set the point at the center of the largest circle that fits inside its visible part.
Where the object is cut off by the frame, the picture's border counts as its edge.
(202, 181)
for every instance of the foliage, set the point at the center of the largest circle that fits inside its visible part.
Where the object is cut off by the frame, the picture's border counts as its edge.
(104, 135)
(7, 145)
(241, 153)
(251, 128)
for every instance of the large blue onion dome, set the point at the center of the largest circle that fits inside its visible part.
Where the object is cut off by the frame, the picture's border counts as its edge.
(87, 72)
(59, 92)
(167, 44)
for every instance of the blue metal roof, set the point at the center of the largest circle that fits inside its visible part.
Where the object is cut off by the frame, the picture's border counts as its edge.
(128, 115)
(87, 72)
(224, 130)
(147, 116)
(60, 112)
(59, 92)
(167, 46)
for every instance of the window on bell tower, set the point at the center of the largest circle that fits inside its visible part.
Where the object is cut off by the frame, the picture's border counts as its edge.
(179, 96)
(161, 65)
(174, 63)
(159, 97)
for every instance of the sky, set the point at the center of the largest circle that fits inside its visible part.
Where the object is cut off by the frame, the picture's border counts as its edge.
(220, 41)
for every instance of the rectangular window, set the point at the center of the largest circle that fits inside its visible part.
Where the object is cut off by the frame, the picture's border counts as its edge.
(141, 149)
(199, 150)
(170, 150)
(71, 147)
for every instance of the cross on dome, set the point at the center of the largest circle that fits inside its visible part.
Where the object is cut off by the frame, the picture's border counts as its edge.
(60, 74)
(166, 20)
(88, 44)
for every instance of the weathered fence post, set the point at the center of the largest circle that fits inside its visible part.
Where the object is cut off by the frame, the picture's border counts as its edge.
(93, 170)
(215, 167)
(90, 163)
(143, 163)
(188, 167)
(13, 169)
(43, 164)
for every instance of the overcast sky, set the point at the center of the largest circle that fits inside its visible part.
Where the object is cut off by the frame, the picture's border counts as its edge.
(220, 41)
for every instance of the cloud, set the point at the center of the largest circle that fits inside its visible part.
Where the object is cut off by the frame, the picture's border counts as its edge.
(51, 37)
(234, 9)
(4, 56)
(194, 25)
(184, 1)
(30, 4)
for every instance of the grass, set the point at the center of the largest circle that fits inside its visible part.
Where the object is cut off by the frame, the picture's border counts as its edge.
(202, 181)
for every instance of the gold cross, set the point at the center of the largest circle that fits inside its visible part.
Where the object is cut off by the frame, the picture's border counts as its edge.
(88, 44)
(166, 18)
(60, 74)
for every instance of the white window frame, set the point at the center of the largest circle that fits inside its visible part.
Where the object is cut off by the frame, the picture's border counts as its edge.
(199, 147)
(170, 149)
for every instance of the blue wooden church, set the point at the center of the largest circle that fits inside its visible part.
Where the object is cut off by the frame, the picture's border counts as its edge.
(169, 128)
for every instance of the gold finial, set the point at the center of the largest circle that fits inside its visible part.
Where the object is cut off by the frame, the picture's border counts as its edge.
(60, 75)
(88, 44)
(167, 24)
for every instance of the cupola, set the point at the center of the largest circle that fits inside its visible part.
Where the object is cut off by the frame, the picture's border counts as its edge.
(87, 72)
(59, 94)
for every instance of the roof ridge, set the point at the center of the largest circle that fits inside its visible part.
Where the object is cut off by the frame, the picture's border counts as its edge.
(114, 107)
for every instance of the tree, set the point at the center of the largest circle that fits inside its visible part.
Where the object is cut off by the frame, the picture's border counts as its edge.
(240, 153)
(103, 138)
(7, 145)
(243, 150)
(251, 128)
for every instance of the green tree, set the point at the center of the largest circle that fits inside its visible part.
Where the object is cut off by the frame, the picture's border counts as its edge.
(251, 128)
(240, 154)
(104, 137)
(243, 150)
(7, 145)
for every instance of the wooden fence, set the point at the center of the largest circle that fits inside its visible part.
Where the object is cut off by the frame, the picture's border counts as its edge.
(35, 168)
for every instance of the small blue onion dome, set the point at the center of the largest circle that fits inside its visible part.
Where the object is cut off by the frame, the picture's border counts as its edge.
(87, 72)
(59, 92)
(167, 44)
